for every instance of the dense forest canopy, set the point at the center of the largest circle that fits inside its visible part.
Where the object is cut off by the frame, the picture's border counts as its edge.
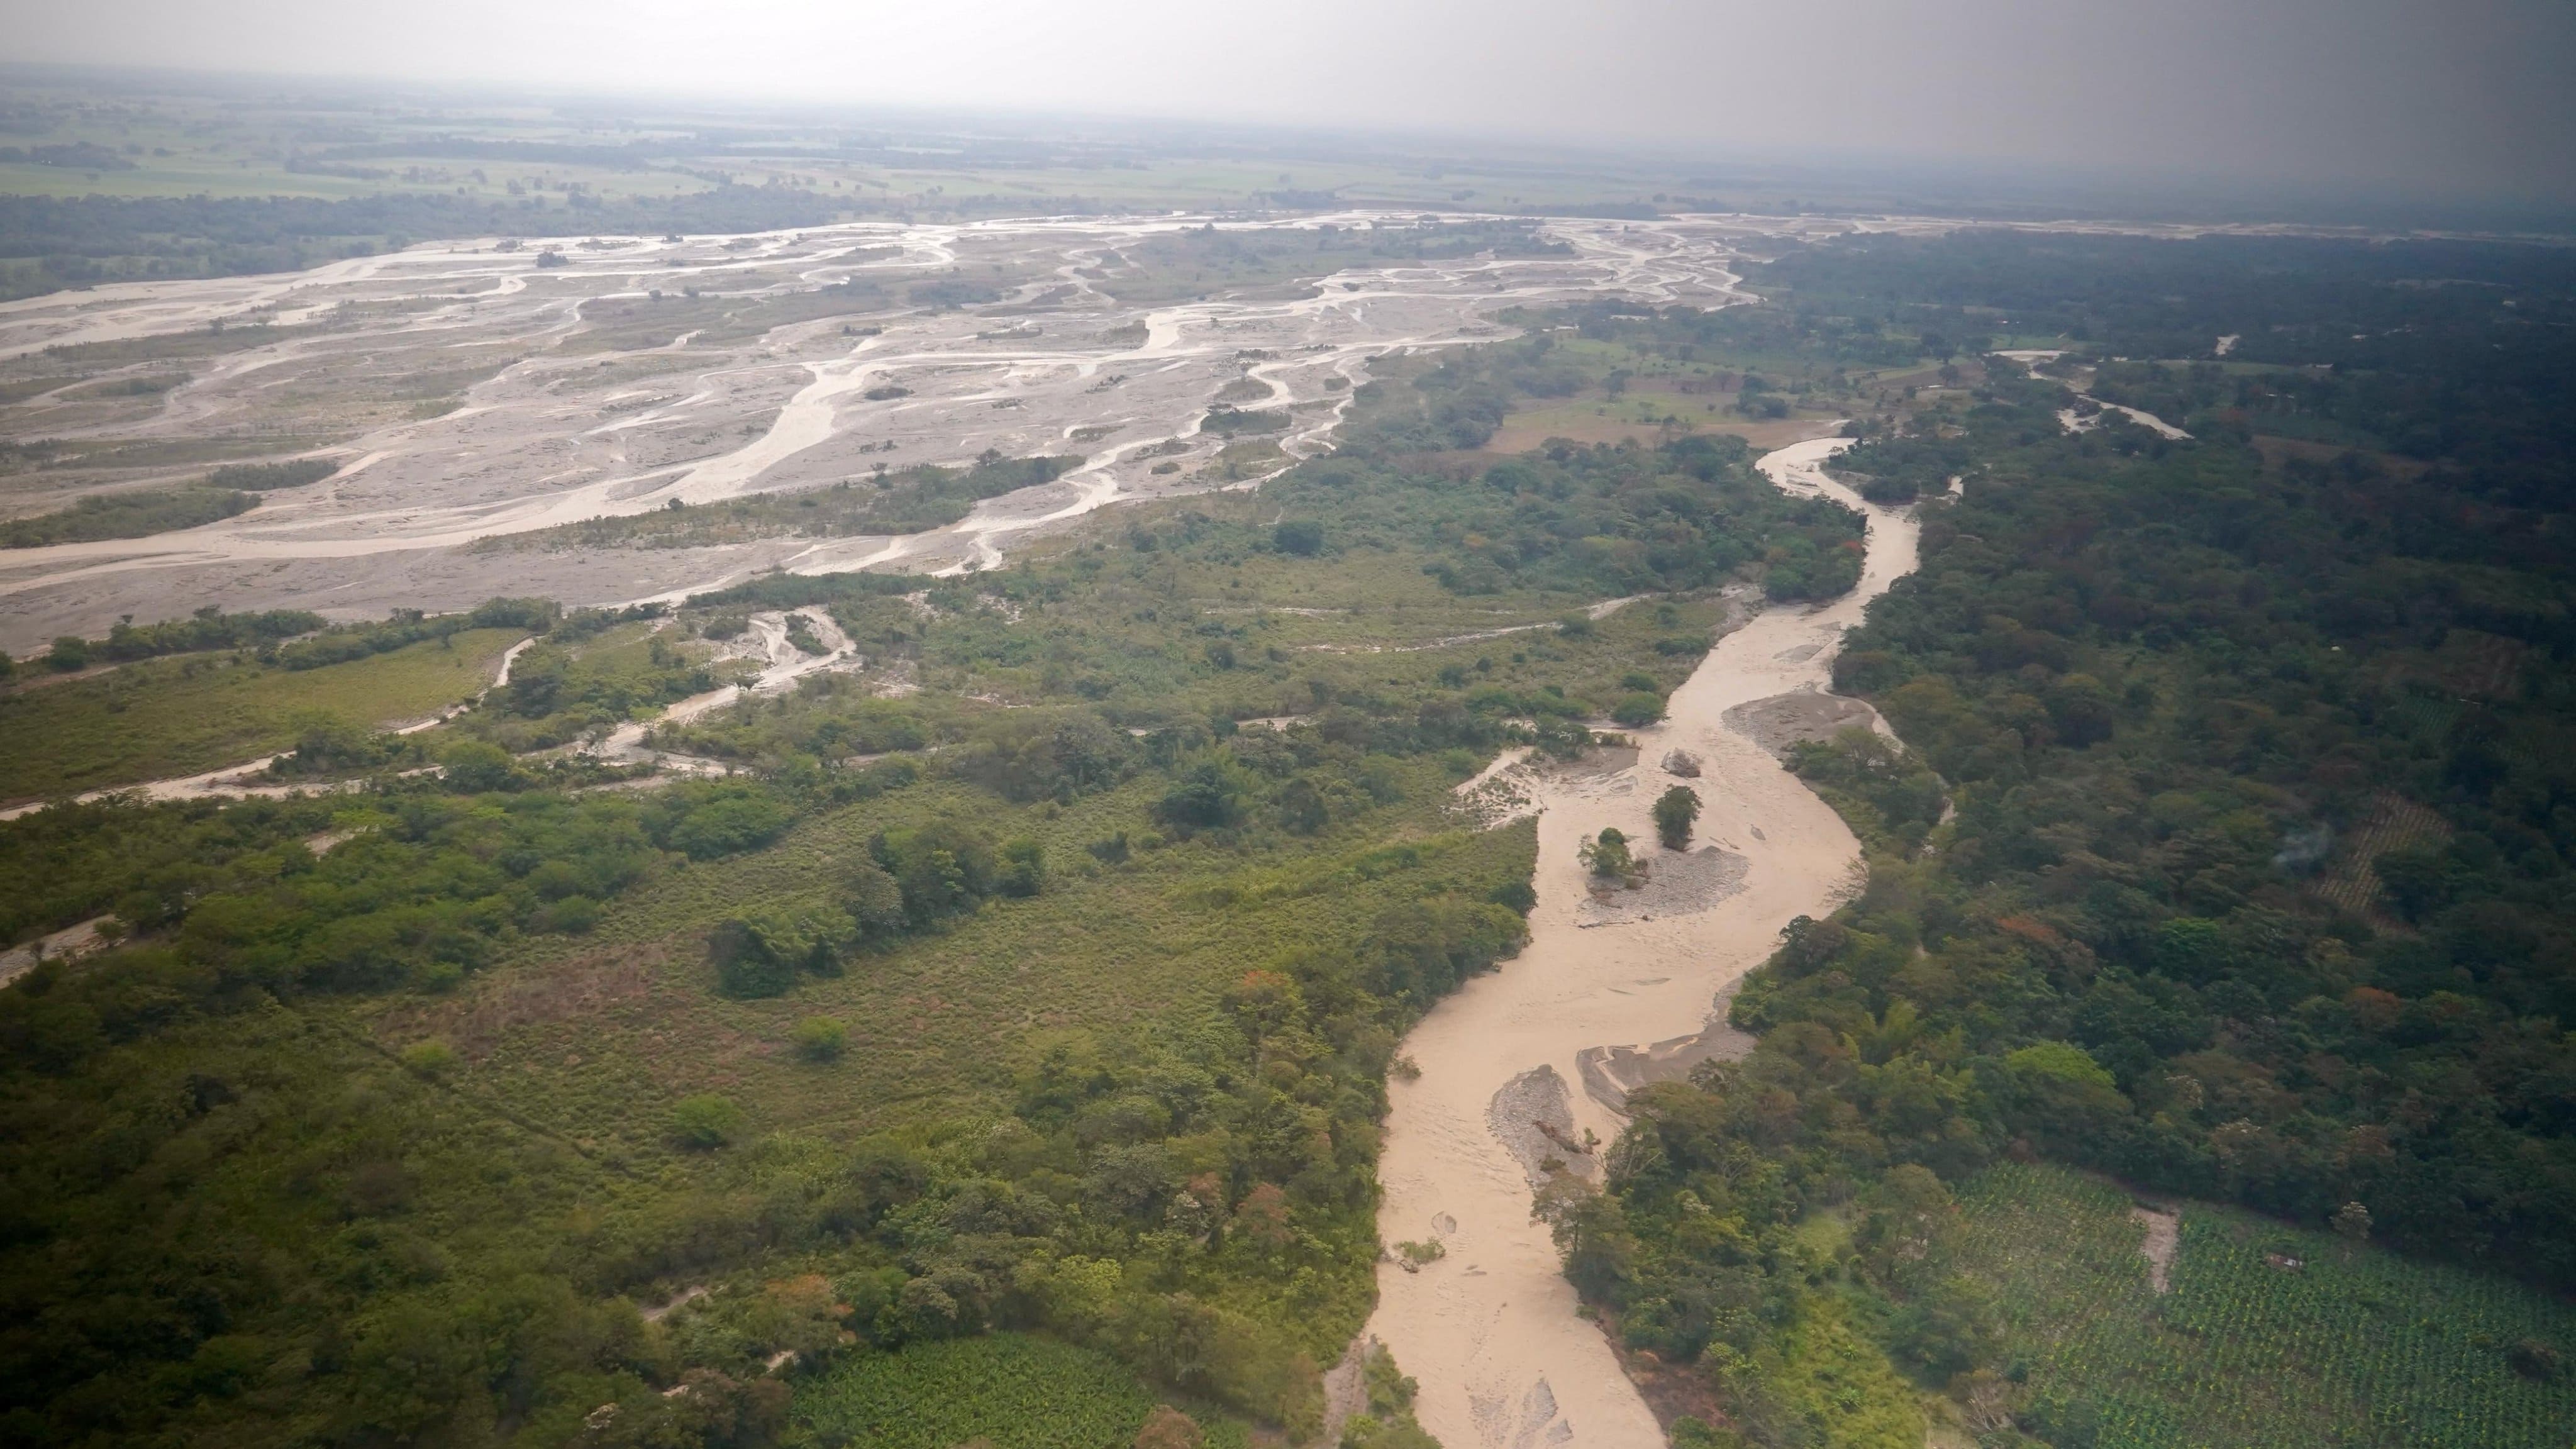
(2229, 847)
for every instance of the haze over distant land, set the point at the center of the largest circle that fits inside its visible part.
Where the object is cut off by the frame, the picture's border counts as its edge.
(2464, 100)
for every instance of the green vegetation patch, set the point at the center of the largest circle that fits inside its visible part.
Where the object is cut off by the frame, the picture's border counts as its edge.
(913, 500)
(1010, 1390)
(136, 513)
(160, 718)
(2270, 1334)
(255, 477)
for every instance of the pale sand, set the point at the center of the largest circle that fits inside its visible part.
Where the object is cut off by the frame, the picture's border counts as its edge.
(1490, 1330)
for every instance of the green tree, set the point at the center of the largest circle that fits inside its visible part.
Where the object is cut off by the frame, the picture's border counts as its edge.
(1676, 811)
(1209, 795)
(476, 766)
(1606, 855)
(1949, 1328)
(1302, 537)
(760, 954)
(729, 824)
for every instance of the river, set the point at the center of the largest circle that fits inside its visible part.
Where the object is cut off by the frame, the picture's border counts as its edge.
(1490, 1328)
(551, 425)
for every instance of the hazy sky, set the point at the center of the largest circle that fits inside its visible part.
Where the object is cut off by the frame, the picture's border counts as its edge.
(2445, 95)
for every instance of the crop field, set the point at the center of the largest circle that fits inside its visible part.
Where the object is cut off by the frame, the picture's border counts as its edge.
(1006, 1390)
(165, 717)
(2270, 1335)
(2394, 823)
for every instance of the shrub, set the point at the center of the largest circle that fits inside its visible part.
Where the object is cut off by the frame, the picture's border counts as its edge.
(1023, 868)
(1030, 755)
(1226, 422)
(431, 1058)
(1676, 811)
(1606, 855)
(1638, 710)
(1690, 1432)
(475, 766)
(942, 869)
(728, 825)
(1209, 795)
(254, 477)
(759, 955)
(1302, 537)
(572, 916)
(1169, 1428)
(208, 627)
(705, 1122)
(820, 1038)
(874, 903)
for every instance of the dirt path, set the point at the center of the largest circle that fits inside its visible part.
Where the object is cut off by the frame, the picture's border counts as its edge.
(786, 665)
(250, 779)
(1490, 1330)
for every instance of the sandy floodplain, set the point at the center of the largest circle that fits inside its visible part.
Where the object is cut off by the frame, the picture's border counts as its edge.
(627, 378)
(1490, 1329)
(471, 392)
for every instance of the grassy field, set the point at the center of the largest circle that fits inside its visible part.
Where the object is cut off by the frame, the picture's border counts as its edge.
(1618, 388)
(165, 717)
(1006, 1390)
(2270, 1335)
(597, 1039)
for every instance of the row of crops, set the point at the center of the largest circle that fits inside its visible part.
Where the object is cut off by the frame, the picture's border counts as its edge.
(2271, 1334)
(1005, 1389)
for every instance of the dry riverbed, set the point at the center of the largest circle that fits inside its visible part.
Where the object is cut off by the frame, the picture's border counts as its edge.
(641, 373)
(1523, 1063)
